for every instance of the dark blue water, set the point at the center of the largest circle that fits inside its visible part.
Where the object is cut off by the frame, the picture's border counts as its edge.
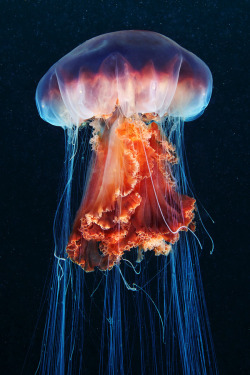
(35, 35)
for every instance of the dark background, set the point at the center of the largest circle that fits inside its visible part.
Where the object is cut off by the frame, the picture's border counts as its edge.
(35, 35)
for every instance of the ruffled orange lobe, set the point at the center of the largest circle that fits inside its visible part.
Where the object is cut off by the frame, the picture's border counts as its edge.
(130, 199)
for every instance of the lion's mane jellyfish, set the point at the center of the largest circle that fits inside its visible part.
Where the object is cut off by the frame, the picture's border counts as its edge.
(134, 90)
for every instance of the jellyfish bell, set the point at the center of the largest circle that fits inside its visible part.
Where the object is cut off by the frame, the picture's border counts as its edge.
(132, 80)
(144, 71)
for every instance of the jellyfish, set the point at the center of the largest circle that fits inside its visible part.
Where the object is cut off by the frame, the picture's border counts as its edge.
(122, 99)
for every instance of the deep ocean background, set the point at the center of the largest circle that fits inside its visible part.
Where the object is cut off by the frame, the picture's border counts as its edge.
(35, 35)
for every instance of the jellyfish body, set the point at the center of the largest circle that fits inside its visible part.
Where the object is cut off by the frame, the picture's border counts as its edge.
(134, 89)
(127, 78)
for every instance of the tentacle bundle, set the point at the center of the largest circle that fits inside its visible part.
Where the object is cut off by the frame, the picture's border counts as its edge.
(130, 199)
